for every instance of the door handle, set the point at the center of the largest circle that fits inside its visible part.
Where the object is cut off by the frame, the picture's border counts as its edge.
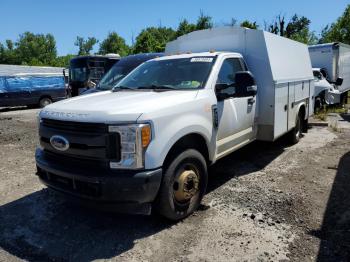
(251, 101)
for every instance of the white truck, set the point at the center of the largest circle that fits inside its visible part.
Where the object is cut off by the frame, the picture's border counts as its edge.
(148, 142)
(332, 60)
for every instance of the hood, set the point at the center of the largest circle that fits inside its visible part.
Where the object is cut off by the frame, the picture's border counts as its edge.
(111, 107)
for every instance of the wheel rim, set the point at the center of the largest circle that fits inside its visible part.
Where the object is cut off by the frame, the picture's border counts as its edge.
(186, 185)
(46, 102)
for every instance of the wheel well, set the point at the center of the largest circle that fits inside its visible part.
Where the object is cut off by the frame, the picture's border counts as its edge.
(45, 96)
(321, 95)
(190, 141)
(302, 112)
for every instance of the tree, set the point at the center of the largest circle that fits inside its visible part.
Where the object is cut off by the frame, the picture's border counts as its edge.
(204, 22)
(338, 31)
(153, 39)
(248, 24)
(277, 26)
(62, 61)
(298, 29)
(8, 53)
(85, 46)
(185, 27)
(35, 49)
(114, 44)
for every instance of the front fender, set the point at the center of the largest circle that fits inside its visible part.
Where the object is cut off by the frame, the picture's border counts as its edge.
(167, 134)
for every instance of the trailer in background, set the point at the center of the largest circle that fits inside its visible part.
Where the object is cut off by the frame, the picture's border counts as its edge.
(31, 85)
(333, 59)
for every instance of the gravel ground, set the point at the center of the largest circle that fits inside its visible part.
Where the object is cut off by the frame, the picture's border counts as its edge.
(265, 202)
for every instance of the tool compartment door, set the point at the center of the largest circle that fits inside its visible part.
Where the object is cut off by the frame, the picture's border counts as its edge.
(281, 109)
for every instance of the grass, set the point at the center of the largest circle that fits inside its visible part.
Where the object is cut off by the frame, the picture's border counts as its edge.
(322, 113)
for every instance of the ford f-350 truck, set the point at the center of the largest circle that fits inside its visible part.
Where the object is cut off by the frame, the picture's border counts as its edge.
(148, 142)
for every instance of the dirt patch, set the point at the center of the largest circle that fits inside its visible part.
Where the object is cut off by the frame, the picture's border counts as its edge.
(265, 202)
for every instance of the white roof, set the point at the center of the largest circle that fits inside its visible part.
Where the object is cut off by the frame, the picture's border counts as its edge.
(189, 55)
(267, 55)
(12, 70)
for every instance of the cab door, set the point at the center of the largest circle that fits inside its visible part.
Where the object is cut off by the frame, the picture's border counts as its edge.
(235, 114)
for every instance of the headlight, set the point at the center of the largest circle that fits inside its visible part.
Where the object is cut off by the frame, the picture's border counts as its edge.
(134, 140)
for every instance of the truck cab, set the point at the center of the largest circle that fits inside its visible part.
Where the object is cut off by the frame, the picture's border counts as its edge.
(86, 71)
(147, 143)
(325, 92)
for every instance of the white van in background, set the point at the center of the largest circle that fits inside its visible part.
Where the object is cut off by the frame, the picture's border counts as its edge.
(333, 61)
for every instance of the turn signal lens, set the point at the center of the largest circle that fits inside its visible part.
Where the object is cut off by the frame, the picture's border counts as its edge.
(146, 135)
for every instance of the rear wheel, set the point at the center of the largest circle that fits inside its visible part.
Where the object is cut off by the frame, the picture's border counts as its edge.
(45, 101)
(183, 186)
(296, 133)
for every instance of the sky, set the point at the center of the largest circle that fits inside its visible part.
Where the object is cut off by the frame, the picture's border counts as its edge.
(67, 19)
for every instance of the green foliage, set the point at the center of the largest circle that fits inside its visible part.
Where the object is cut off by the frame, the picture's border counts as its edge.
(204, 22)
(30, 49)
(153, 39)
(185, 27)
(338, 31)
(8, 53)
(85, 46)
(40, 49)
(62, 61)
(298, 29)
(114, 44)
(36, 49)
(248, 24)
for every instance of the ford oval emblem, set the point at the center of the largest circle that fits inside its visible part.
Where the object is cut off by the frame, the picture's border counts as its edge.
(59, 143)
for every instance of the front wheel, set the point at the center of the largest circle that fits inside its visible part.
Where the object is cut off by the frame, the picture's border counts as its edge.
(44, 102)
(183, 186)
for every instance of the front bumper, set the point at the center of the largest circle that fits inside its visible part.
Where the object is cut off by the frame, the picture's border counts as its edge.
(121, 191)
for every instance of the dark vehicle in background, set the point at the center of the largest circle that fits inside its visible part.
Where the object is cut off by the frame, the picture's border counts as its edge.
(31, 90)
(124, 66)
(86, 71)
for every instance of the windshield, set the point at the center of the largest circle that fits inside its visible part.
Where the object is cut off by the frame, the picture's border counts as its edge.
(78, 74)
(78, 70)
(182, 73)
(115, 74)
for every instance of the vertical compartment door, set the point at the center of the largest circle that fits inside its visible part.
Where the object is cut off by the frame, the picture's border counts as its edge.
(281, 109)
(291, 106)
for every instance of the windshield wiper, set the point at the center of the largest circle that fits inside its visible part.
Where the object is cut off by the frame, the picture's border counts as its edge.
(157, 88)
(118, 88)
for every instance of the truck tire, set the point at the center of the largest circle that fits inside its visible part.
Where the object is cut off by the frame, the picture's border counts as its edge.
(183, 186)
(318, 104)
(44, 102)
(295, 134)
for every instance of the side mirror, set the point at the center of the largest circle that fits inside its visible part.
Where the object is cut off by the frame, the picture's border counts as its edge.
(245, 84)
(220, 87)
(339, 81)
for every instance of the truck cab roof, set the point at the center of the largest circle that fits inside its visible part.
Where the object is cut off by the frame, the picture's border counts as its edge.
(200, 54)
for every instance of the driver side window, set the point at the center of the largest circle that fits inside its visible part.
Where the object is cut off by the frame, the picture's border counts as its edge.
(227, 73)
